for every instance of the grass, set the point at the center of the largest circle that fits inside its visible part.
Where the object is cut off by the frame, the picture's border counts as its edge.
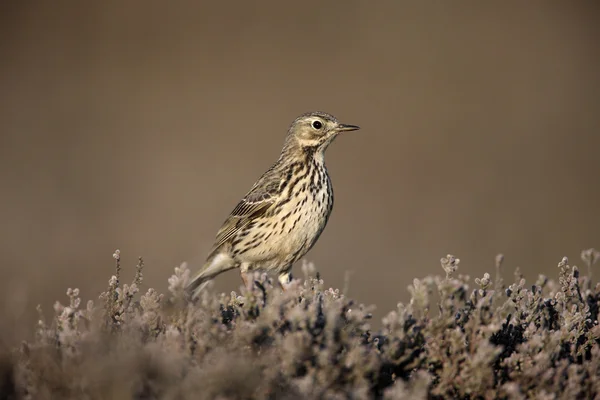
(454, 339)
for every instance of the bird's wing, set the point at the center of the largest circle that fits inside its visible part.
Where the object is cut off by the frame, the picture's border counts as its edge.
(253, 205)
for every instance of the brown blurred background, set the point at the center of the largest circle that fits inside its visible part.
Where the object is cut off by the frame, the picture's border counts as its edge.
(139, 125)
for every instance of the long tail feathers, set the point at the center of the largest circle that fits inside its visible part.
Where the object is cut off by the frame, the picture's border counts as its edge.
(213, 267)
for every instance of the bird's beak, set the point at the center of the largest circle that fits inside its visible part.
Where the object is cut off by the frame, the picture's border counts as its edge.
(344, 127)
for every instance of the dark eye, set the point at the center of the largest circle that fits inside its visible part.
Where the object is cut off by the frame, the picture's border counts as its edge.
(317, 125)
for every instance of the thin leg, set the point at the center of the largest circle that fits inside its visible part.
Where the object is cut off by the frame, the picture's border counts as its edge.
(284, 280)
(246, 276)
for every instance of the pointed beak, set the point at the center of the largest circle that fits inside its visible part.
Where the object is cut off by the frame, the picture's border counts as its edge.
(344, 127)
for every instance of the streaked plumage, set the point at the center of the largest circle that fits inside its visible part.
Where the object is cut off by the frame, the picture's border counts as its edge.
(284, 213)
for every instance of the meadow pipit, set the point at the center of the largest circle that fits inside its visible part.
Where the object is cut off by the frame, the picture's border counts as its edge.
(286, 210)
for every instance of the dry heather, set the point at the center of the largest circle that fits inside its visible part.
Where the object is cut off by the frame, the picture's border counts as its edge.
(452, 340)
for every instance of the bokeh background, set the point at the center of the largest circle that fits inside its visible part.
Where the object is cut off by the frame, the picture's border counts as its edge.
(139, 125)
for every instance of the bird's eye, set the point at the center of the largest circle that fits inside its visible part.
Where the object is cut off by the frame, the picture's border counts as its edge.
(317, 125)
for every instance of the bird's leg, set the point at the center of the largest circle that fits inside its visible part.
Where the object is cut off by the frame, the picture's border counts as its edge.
(244, 279)
(246, 275)
(284, 280)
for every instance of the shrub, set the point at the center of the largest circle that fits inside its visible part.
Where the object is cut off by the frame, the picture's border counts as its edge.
(451, 340)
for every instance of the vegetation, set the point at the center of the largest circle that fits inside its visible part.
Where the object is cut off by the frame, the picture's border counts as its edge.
(453, 339)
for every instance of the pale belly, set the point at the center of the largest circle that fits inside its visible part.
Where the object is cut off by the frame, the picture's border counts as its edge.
(290, 234)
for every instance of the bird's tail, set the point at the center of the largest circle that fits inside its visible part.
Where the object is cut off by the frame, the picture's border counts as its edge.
(213, 267)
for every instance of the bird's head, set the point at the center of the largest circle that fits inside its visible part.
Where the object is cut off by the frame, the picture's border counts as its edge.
(315, 131)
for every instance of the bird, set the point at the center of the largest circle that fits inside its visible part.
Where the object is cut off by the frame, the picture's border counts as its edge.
(282, 216)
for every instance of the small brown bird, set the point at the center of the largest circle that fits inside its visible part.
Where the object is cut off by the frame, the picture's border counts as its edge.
(284, 213)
